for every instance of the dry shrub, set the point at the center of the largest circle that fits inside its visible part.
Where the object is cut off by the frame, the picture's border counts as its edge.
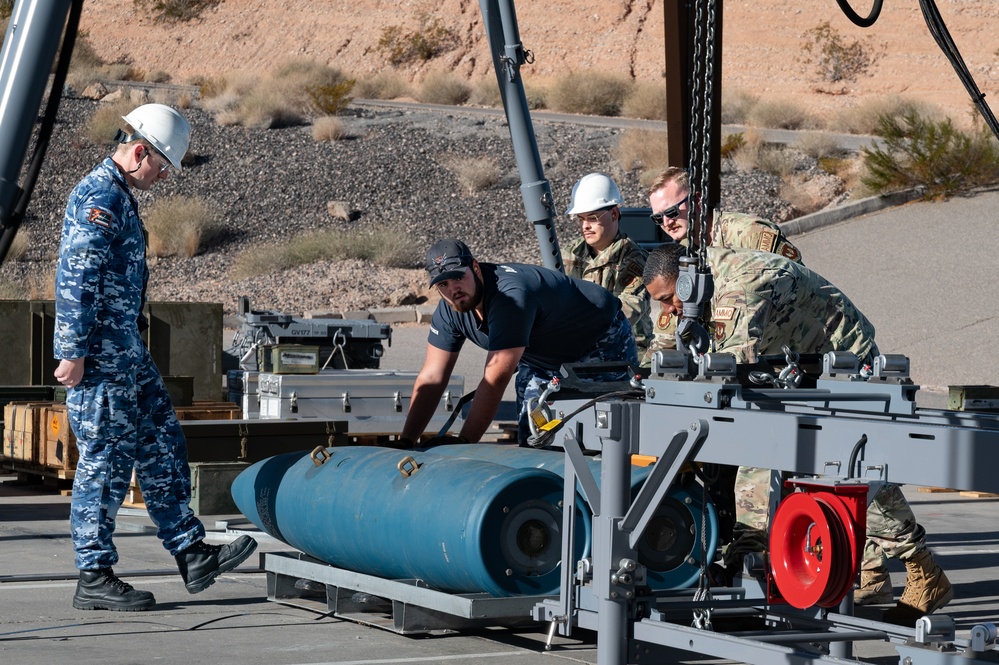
(643, 149)
(779, 114)
(179, 226)
(736, 106)
(157, 76)
(106, 120)
(383, 246)
(209, 86)
(646, 100)
(536, 93)
(746, 156)
(475, 174)
(589, 93)
(19, 246)
(803, 199)
(444, 88)
(385, 85)
(486, 92)
(865, 117)
(328, 128)
(817, 145)
(296, 90)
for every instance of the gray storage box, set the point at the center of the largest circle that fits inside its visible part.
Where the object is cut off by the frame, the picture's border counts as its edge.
(370, 401)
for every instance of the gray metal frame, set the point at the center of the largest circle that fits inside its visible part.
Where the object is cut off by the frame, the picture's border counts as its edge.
(804, 431)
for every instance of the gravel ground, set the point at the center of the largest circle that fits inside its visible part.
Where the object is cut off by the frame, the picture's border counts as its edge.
(269, 185)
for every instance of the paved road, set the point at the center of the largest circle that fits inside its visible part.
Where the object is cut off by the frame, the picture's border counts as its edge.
(923, 273)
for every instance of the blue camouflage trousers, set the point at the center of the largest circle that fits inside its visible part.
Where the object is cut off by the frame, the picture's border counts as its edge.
(123, 422)
(615, 345)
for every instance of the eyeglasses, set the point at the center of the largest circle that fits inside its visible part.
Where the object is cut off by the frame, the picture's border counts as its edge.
(590, 217)
(165, 164)
(671, 212)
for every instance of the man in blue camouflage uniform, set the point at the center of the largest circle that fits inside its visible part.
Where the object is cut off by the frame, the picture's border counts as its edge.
(118, 405)
(530, 319)
(761, 302)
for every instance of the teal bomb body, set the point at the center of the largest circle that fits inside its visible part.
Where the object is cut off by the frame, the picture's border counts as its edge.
(460, 525)
(671, 546)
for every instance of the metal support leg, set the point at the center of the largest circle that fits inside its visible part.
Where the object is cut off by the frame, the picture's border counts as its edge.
(613, 560)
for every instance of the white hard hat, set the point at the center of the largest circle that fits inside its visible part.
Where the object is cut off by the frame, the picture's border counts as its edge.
(166, 129)
(593, 191)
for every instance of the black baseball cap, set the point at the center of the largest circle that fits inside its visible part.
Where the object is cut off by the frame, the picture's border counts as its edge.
(447, 259)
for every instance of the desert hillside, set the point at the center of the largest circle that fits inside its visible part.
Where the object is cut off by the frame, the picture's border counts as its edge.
(762, 40)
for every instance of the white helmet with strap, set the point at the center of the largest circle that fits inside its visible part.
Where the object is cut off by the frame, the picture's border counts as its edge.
(165, 129)
(594, 191)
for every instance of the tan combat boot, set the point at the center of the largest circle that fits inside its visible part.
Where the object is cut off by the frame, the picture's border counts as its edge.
(927, 589)
(875, 588)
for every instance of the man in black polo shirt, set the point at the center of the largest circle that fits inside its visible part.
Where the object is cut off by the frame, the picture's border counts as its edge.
(530, 319)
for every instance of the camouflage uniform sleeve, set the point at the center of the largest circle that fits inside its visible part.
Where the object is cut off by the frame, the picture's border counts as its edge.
(742, 315)
(663, 337)
(89, 228)
(635, 301)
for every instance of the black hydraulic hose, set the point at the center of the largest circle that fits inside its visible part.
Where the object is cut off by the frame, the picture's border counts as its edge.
(942, 36)
(863, 22)
(44, 130)
(854, 454)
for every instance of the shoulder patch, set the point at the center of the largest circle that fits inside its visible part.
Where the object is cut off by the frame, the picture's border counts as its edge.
(768, 241)
(664, 318)
(724, 314)
(789, 251)
(99, 217)
(719, 331)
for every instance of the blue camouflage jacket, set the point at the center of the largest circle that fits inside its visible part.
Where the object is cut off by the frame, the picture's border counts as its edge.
(101, 274)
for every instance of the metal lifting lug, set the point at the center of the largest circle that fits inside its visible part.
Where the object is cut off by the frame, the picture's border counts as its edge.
(448, 403)
(346, 403)
(397, 401)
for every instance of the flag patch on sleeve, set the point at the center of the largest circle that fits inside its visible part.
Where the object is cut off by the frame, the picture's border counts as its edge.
(99, 217)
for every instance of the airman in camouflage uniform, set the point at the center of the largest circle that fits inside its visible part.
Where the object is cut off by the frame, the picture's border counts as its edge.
(618, 268)
(669, 197)
(606, 256)
(762, 302)
(117, 403)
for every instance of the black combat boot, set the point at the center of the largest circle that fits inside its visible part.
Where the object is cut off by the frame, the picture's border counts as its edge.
(201, 563)
(102, 590)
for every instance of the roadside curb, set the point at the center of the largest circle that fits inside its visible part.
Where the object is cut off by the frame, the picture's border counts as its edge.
(822, 218)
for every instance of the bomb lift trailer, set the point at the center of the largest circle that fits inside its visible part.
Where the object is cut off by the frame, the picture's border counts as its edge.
(855, 430)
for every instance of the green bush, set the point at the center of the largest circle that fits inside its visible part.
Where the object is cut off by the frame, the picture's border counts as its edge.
(916, 151)
(175, 10)
(590, 93)
(732, 143)
(331, 99)
(429, 40)
(833, 58)
(383, 246)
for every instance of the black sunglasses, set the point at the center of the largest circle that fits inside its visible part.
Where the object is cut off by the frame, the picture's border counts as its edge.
(671, 212)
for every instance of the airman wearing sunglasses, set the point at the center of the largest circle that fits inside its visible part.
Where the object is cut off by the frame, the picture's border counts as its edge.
(669, 198)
